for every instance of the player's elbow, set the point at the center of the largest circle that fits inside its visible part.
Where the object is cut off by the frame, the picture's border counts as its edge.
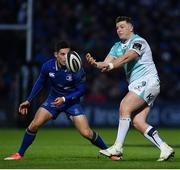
(82, 90)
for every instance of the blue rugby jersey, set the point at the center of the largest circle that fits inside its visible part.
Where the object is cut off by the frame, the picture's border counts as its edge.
(62, 82)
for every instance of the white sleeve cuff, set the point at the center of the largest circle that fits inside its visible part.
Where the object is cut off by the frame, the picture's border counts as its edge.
(64, 99)
(111, 66)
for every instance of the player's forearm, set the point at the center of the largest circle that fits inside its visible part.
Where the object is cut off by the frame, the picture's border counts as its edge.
(129, 56)
(100, 64)
(120, 61)
(103, 64)
(108, 59)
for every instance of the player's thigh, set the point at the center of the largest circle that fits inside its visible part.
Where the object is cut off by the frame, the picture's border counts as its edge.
(146, 88)
(131, 102)
(42, 116)
(139, 119)
(82, 125)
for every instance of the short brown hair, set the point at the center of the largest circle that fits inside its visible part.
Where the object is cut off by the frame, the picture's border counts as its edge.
(61, 44)
(124, 18)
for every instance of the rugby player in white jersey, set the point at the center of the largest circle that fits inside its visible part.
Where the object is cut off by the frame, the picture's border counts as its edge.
(134, 54)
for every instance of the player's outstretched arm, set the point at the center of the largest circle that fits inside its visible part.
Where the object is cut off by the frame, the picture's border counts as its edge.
(92, 61)
(118, 62)
(23, 107)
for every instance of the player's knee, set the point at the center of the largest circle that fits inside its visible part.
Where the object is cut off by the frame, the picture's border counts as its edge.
(124, 111)
(34, 126)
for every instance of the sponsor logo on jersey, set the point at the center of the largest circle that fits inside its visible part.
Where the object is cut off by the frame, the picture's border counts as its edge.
(51, 74)
(69, 77)
(66, 88)
(137, 46)
(139, 87)
(150, 97)
(124, 46)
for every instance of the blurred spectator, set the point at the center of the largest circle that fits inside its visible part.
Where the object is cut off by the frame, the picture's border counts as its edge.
(88, 24)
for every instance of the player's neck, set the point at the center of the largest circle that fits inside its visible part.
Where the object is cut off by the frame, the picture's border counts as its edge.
(60, 66)
(124, 41)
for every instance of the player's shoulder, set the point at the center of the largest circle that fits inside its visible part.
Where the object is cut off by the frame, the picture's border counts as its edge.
(138, 41)
(116, 45)
(136, 37)
(49, 63)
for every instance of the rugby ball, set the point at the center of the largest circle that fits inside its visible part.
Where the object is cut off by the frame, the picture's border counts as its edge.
(73, 61)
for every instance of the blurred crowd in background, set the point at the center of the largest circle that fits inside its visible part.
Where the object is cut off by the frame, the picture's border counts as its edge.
(90, 27)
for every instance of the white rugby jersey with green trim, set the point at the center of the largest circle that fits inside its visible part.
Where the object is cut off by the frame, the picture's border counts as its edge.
(140, 67)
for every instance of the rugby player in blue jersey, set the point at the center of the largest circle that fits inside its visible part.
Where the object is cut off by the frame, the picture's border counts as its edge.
(66, 88)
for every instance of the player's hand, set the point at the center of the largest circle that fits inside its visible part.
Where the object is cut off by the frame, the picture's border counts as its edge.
(23, 107)
(106, 68)
(91, 60)
(57, 102)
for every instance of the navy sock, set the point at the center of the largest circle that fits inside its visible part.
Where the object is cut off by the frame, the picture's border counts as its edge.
(97, 141)
(27, 141)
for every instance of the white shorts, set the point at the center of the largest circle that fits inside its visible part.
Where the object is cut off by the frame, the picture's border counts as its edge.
(147, 88)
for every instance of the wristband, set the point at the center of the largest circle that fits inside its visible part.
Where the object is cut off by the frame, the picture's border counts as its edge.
(111, 66)
(64, 99)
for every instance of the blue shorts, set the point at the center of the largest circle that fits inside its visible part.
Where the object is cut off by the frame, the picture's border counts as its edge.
(70, 108)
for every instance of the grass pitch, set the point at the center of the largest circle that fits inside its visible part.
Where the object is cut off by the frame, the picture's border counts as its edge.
(65, 148)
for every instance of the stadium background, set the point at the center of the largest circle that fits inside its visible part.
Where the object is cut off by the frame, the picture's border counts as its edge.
(89, 26)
